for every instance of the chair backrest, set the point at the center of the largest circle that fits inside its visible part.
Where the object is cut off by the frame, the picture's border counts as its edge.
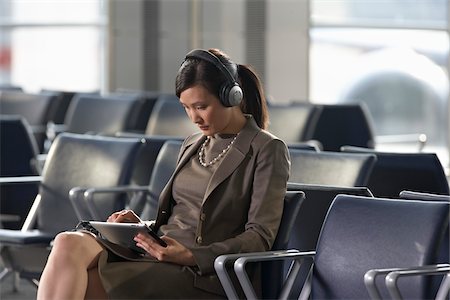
(292, 122)
(35, 108)
(394, 172)
(147, 100)
(343, 124)
(58, 108)
(168, 117)
(88, 113)
(273, 271)
(147, 157)
(330, 168)
(361, 233)
(444, 251)
(307, 145)
(78, 160)
(18, 149)
(162, 171)
(310, 218)
(423, 196)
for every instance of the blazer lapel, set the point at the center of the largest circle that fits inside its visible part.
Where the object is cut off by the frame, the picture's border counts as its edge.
(188, 150)
(235, 156)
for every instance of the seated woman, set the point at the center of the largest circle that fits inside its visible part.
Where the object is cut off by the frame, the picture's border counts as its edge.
(225, 196)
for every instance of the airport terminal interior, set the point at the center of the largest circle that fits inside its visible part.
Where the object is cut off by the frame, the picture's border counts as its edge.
(357, 89)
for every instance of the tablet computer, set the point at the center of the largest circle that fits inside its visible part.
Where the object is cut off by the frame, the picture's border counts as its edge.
(124, 233)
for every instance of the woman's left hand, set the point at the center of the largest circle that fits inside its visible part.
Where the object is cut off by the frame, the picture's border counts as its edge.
(174, 252)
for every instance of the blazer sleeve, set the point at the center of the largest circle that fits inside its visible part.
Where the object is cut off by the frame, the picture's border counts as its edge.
(270, 178)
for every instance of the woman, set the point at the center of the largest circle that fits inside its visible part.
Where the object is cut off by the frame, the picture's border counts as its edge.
(226, 196)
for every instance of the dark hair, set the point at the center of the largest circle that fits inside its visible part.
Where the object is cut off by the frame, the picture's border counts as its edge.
(195, 71)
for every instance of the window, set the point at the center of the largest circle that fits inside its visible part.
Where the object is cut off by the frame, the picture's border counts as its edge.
(392, 56)
(52, 44)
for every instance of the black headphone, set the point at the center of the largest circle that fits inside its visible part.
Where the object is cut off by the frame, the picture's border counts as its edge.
(230, 93)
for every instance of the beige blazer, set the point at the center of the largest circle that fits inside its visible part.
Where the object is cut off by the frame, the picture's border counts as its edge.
(243, 203)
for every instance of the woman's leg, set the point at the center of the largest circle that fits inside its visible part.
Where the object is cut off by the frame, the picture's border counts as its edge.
(66, 274)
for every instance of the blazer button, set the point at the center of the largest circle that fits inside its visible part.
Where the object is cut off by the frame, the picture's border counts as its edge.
(199, 240)
(202, 216)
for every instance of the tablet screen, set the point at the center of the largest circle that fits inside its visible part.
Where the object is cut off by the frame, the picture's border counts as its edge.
(124, 233)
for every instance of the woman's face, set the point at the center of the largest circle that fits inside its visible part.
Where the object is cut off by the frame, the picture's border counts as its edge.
(205, 110)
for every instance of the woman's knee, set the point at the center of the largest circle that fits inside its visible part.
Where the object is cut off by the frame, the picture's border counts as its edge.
(76, 246)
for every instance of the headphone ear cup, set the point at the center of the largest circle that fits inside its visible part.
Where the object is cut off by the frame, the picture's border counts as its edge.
(231, 95)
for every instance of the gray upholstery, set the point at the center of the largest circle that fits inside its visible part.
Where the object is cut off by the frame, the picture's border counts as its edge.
(360, 234)
(18, 150)
(158, 156)
(272, 272)
(74, 160)
(147, 100)
(293, 122)
(37, 109)
(330, 168)
(444, 251)
(101, 114)
(147, 157)
(365, 233)
(81, 160)
(168, 117)
(394, 172)
(310, 218)
(162, 171)
(343, 124)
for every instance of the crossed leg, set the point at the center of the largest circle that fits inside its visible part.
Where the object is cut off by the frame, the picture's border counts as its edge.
(71, 269)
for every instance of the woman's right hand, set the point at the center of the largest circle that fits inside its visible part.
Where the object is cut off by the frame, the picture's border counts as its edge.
(124, 216)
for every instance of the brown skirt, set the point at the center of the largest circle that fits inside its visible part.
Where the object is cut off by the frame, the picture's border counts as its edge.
(147, 279)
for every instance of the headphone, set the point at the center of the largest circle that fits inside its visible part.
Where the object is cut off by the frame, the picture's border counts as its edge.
(230, 93)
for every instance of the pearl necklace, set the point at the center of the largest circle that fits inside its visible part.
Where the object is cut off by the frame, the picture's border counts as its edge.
(201, 153)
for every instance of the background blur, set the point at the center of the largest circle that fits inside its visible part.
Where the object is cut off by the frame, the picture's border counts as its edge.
(391, 54)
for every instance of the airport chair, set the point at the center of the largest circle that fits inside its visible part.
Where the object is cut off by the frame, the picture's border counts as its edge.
(394, 172)
(423, 196)
(307, 145)
(37, 109)
(293, 122)
(273, 272)
(18, 152)
(330, 168)
(168, 117)
(343, 124)
(74, 160)
(358, 235)
(106, 114)
(309, 221)
(143, 199)
(147, 99)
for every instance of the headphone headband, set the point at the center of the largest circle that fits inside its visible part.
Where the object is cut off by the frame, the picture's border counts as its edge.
(210, 57)
(230, 93)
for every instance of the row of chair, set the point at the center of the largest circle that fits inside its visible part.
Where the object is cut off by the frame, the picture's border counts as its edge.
(70, 164)
(385, 174)
(362, 241)
(332, 126)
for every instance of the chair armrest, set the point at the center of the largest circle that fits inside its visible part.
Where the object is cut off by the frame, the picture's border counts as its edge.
(90, 192)
(241, 259)
(419, 138)
(370, 277)
(78, 204)
(20, 180)
(295, 255)
(392, 277)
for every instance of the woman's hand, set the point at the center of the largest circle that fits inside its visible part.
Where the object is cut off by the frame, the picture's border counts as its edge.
(124, 216)
(174, 252)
